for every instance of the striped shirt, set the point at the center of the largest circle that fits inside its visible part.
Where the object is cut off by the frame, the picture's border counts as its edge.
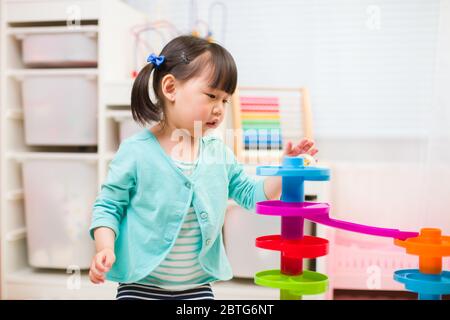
(181, 270)
(136, 291)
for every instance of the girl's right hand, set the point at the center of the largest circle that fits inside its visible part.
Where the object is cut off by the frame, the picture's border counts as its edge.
(101, 263)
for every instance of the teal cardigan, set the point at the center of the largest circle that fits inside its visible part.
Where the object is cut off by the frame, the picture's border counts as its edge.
(145, 198)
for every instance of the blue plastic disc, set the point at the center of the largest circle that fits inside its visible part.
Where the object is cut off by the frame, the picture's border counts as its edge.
(293, 167)
(429, 284)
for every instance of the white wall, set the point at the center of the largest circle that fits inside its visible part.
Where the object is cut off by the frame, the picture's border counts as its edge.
(371, 66)
(368, 64)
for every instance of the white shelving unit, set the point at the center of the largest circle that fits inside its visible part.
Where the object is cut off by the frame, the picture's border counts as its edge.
(110, 23)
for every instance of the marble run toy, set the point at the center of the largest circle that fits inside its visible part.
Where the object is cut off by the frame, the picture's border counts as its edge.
(293, 281)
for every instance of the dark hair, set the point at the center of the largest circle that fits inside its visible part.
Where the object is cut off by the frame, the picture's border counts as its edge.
(185, 58)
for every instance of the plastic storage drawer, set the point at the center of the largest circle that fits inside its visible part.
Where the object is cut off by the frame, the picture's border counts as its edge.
(59, 196)
(60, 110)
(59, 49)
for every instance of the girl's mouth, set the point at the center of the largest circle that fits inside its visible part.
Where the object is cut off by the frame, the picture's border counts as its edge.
(212, 124)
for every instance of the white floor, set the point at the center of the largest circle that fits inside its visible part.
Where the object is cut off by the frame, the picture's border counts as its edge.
(243, 289)
(39, 284)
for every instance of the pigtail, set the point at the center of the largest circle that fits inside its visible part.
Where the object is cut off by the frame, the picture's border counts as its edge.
(143, 109)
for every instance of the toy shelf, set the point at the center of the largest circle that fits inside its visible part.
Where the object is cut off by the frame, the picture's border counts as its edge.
(108, 24)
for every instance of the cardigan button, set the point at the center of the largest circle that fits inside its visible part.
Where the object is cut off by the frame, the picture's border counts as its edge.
(208, 242)
(188, 185)
(204, 215)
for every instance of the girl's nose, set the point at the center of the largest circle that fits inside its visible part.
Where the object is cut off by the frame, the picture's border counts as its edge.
(217, 111)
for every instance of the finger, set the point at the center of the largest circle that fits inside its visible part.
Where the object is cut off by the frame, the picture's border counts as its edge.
(96, 273)
(307, 146)
(288, 147)
(300, 146)
(109, 260)
(95, 279)
(313, 151)
(303, 142)
(99, 263)
(91, 277)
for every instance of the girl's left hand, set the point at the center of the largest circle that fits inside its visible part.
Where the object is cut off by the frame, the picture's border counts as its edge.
(304, 146)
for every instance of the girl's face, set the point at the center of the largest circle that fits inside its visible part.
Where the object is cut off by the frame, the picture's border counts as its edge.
(197, 106)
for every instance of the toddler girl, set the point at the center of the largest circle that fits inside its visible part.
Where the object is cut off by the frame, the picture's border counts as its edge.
(157, 222)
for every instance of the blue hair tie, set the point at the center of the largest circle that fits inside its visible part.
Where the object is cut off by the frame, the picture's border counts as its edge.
(155, 60)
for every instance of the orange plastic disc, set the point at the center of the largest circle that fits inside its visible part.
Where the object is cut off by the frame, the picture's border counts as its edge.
(430, 246)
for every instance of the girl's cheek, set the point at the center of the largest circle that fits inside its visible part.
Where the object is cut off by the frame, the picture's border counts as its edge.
(204, 112)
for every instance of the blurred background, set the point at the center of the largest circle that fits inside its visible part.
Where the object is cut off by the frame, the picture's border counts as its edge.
(367, 80)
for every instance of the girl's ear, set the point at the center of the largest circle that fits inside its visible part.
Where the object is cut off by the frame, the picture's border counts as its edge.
(168, 86)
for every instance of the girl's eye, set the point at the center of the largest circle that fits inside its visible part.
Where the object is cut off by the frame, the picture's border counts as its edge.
(226, 101)
(211, 95)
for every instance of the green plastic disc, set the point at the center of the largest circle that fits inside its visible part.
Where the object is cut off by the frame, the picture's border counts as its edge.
(309, 282)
